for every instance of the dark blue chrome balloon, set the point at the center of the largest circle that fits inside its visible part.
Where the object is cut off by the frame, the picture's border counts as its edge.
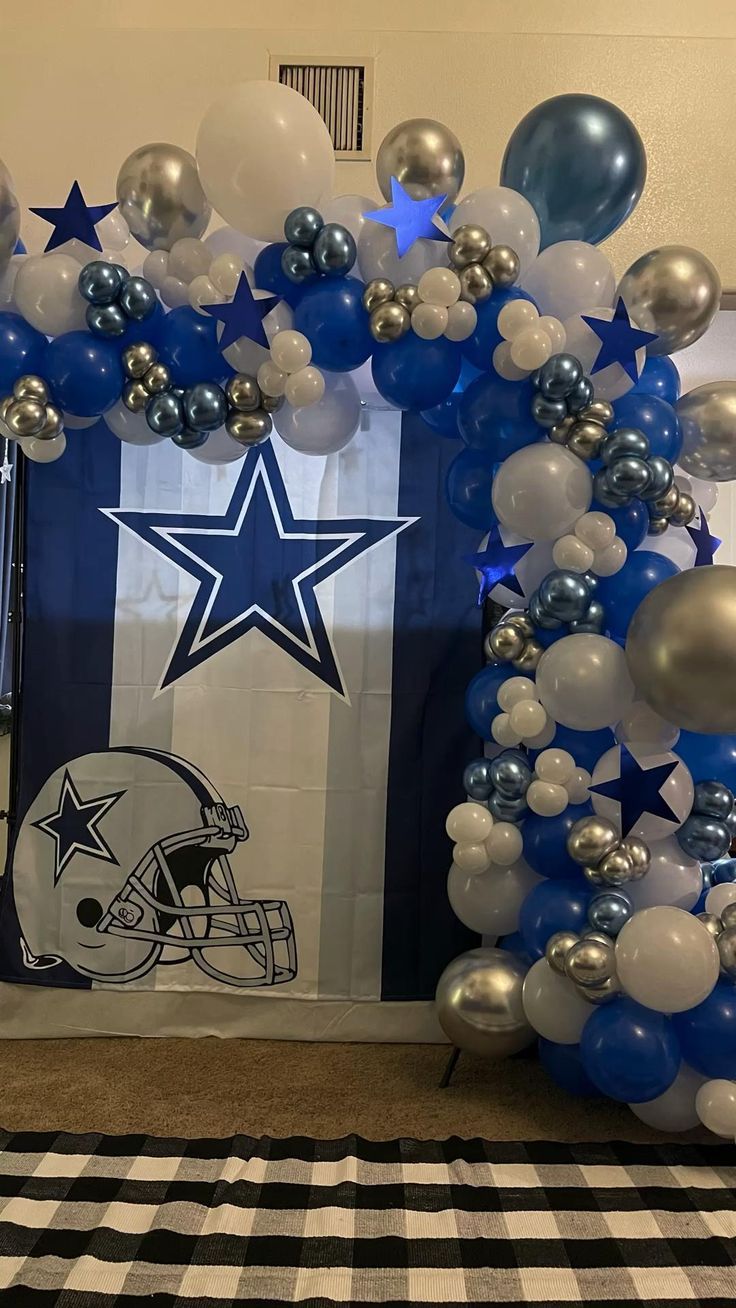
(101, 282)
(559, 376)
(548, 412)
(165, 415)
(296, 264)
(334, 250)
(581, 395)
(539, 615)
(478, 779)
(704, 838)
(622, 444)
(714, 799)
(189, 439)
(106, 319)
(138, 299)
(205, 407)
(511, 774)
(302, 226)
(507, 810)
(564, 595)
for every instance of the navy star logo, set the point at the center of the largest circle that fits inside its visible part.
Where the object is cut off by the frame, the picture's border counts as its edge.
(74, 826)
(243, 315)
(637, 790)
(411, 219)
(619, 341)
(705, 543)
(258, 567)
(75, 218)
(496, 564)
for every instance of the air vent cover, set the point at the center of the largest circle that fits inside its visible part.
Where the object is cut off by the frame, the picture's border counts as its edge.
(341, 91)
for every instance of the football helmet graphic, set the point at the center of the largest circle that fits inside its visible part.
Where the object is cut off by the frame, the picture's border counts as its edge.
(122, 863)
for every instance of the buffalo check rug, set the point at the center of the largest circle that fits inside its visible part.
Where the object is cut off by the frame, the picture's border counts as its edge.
(91, 1221)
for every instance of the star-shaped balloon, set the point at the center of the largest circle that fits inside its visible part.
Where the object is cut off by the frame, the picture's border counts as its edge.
(619, 339)
(496, 564)
(411, 219)
(243, 315)
(637, 790)
(705, 543)
(74, 220)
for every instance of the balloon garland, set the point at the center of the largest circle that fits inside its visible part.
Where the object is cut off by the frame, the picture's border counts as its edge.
(591, 845)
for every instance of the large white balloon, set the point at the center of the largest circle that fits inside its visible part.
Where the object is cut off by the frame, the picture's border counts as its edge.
(378, 255)
(583, 681)
(675, 1109)
(7, 281)
(570, 277)
(673, 878)
(716, 1107)
(508, 218)
(541, 490)
(131, 428)
(489, 902)
(348, 210)
(327, 426)
(46, 292)
(676, 791)
(666, 959)
(262, 150)
(581, 340)
(553, 1006)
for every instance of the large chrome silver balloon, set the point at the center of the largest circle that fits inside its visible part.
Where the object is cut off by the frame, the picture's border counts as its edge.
(708, 419)
(9, 218)
(161, 197)
(425, 156)
(673, 291)
(681, 649)
(479, 1003)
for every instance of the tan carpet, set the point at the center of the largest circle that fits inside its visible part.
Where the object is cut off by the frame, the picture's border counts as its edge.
(220, 1087)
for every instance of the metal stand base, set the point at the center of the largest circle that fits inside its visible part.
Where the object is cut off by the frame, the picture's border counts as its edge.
(450, 1066)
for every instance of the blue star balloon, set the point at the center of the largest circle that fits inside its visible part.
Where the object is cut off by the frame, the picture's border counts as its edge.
(496, 564)
(411, 219)
(637, 790)
(705, 543)
(74, 219)
(243, 315)
(619, 341)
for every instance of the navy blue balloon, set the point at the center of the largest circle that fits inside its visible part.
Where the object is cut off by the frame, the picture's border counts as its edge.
(565, 1066)
(630, 1052)
(22, 350)
(586, 747)
(496, 416)
(144, 329)
(632, 522)
(331, 315)
(188, 346)
(443, 418)
(468, 489)
(554, 905)
(270, 276)
(723, 872)
(580, 163)
(622, 593)
(659, 377)
(707, 1033)
(514, 944)
(413, 373)
(655, 418)
(709, 756)
(480, 697)
(479, 347)
(544, 841)
(84, 373)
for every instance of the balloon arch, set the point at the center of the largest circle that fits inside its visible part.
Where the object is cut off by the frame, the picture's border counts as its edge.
(591, 850)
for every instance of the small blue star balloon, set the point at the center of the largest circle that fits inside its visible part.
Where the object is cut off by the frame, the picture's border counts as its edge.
(620, 341)
(705, 543)
(411, 219)
(243, 315)
(75, 219)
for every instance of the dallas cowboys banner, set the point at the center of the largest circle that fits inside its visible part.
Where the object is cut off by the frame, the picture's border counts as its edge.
(242, 727)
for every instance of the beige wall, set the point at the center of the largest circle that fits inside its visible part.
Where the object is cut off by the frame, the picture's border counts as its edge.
(85, 81)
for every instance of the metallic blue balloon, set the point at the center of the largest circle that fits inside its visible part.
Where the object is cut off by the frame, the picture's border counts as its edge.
(723, 872)
(580, 163)
(188, 439)
(581, 395)
(629, 476)
(713, 799)
(302, 226)
(511, 775)
(106, 319)
(138, 299)
(593, 621)
(334, 250)
(539, 615)
(165, 415)
(730, 821)
(205, 407)
(622, 443)
(610, 911)
(507, 810)
(564, 595)
(662, 477)
(101, 282)
(559, 376)
(704, 838)
(478, 780)
(297, 264)
(604, 493)
(548, 412)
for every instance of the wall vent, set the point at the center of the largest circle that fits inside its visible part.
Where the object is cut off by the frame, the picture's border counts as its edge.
(341, 91)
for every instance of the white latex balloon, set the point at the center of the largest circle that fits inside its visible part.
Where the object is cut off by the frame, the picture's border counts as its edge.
(225, 240)
(224, 272)
(676, 791)
(131, 428)
(156, 268)
(7, 282)
(291, 351)
(201, 291)
(327, 426)
(515, 316)
(555, 765)
(717, 898)
(678, 546)
(675, 1109)
(540, 491)
(504, 364)
(715, 1104)
(531, 348)
(598, 530)
(572, 554)
(705, 493)
(429, 321)
(553, 1006)
(173, 292)
(47, 451)
(462, 319)
(502, 731)
(490, 902)
(607, 562)
(439, 286)
(528, 717)
(468, 822)
(506, 215)
(189, 258)
(555, 330)
(546, 798)
(218, 448)
(674, 878)
(470, 857)
(583, 681)
(262, 149)
(73, 422)
(113, 232)
(304, 388)
(570, 277)
(513, 691)
(666, 959)
(543, 738)
(578, 787)
(348, 210)
(271, 379)
(613, 381)
(378, 256)
(47, 294)
(505, 844)
(641, 725)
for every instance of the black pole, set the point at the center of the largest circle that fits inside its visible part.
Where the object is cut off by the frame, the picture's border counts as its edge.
(15, 617)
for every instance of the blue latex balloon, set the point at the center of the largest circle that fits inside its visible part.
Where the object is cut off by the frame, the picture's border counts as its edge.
(480, 697)
(270, 276)
(709, 757)
(622, 593)
(479, 347)
(22, 350)
(586, 747)
(655, 418)
(555, 905)
(147, 329)
(84, 373)
(443, 418)
(659, 377)
(580, 163)
(565, 1065)
(514, 944)
(544, 841)
(414, 373)
(724, 871)
(468, 489)
(331, 315)
(188, 346)
(496, 416)
(707, 1033)
(632, 522)
(630, 1052)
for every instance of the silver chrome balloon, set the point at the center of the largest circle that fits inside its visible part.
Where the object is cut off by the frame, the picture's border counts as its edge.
(674, 291)
(503, 265)
(479, 1003)
(726, 942)
(590, 962)
(378, 291)
(601, 994)
(160, 195)
(708, 420)
(728, 915)
(590, 839)
(617, 867)
(712, 923)
(388, 322)
(470, 244)
(475, 284)
(558, 947)
(424, 156)
(407, 296)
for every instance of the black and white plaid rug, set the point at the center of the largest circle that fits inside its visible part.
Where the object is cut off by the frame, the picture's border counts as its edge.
(91, 1221)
